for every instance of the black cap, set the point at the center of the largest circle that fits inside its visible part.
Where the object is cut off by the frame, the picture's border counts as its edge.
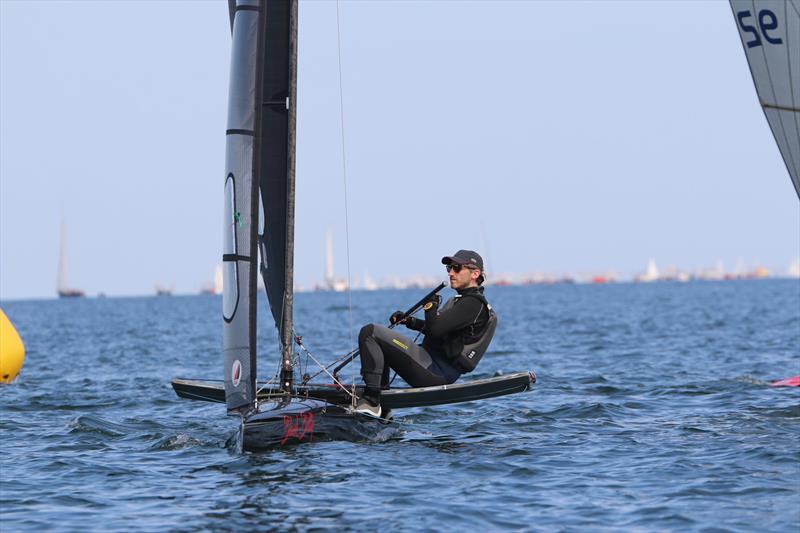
(464, 257)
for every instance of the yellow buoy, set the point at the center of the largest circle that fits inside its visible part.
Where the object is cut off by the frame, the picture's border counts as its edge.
(12, 351)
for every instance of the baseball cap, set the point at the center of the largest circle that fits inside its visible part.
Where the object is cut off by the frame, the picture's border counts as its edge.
(464, 257)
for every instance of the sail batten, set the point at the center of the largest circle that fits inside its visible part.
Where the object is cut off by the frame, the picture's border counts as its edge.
(770, 34)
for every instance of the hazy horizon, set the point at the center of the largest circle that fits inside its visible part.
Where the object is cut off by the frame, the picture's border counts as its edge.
(551, 137)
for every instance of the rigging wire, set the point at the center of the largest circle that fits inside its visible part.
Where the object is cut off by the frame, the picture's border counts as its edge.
(351, 393)
(344, 179)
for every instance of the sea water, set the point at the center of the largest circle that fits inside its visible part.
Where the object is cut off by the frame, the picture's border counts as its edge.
(651, 412)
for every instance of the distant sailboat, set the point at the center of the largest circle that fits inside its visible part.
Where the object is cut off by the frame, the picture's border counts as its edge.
(62, 285)
(218, 280)
(650, 274)
(164, 291)
(331, 283)
(770, 33)
(214, 287)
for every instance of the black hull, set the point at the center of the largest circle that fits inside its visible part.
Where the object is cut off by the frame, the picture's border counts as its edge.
(399, 398)
(71, 293)
(292, 421)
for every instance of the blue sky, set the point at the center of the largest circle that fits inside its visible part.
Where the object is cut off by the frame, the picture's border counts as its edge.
(562, 137)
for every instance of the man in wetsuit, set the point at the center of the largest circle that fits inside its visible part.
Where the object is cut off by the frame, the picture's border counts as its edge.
(447, 329)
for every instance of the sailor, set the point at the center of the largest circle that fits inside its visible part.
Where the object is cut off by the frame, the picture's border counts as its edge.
(451, 332)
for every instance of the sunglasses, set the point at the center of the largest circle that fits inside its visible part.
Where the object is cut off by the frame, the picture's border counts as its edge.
(456, 268)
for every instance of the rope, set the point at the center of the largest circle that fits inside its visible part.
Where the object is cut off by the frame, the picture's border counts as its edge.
(271, 381)
(344, 178)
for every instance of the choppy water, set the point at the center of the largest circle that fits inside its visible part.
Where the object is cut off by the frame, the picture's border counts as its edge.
(651, 413)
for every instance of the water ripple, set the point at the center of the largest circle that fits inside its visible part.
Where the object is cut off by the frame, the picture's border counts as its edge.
(652, 412)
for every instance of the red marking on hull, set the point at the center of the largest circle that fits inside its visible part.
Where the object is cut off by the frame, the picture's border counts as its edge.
(298, 427)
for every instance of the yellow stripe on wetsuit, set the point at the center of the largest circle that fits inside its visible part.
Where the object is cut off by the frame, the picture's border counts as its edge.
(400, 344)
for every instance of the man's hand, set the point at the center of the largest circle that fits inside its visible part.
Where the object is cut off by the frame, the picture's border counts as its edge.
(434, 302)
(397, 316)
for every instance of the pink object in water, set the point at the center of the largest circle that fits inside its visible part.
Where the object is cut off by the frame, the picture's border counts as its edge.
(788, 382)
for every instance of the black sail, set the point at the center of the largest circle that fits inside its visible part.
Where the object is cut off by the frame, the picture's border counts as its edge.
(276, 167)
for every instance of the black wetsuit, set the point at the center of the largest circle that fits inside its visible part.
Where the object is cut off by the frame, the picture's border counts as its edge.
(460, 319)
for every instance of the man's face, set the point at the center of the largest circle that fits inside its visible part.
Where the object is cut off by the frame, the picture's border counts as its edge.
(465, 277)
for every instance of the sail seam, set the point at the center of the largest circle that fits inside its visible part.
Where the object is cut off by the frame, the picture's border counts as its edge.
(250, 133)
(781, 107)
(235, 257)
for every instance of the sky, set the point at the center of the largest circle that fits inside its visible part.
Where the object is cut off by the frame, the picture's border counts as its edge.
(560, 137)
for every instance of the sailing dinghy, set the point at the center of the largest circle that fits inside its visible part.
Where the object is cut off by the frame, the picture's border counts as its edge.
(62, 287)
(259, 223)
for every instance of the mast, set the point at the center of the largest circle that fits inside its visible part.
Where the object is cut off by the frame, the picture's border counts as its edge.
(288, 326)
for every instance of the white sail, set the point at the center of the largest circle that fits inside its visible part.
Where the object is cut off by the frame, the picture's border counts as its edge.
(329, 259)
(62, 283)
(770, 33)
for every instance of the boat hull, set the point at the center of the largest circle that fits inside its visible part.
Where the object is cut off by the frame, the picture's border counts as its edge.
(397, 398)
(71, 293)
(293, 420)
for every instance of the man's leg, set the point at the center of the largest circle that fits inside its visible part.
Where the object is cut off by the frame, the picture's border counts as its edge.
(411, 361)
(374, 369)
(372, 358)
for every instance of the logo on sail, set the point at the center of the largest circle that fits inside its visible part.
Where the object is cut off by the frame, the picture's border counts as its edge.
(236, 373)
